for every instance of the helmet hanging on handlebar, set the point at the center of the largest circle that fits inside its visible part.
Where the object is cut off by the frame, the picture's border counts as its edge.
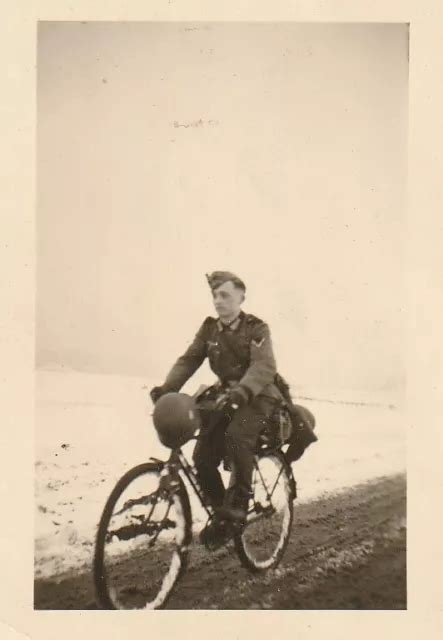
(176, 419)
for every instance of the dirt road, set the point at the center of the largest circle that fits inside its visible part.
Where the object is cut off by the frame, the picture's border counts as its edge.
(347, 551)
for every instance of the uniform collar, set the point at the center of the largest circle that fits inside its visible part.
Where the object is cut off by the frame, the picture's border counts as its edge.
(233, 325)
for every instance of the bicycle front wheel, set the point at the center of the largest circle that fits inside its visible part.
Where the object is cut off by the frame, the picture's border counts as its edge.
(142, 540)
(263, 541)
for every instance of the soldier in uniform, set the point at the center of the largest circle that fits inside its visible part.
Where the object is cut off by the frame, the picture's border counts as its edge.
(239, 348)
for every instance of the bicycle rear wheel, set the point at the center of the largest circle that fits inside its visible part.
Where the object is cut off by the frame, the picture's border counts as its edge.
(263, 541)
(142, 540)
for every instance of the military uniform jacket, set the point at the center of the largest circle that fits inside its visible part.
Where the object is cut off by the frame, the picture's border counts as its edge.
(240, 353)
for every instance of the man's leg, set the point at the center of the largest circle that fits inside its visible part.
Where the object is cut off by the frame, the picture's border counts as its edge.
(207, 456)
(241, 443)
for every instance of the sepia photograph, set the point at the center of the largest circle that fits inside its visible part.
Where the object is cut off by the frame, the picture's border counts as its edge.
(221, 299)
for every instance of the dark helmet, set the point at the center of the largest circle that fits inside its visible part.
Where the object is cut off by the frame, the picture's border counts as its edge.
(176, 419)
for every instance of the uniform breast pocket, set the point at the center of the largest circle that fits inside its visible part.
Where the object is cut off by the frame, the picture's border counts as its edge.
(213, 349)
(243, 348)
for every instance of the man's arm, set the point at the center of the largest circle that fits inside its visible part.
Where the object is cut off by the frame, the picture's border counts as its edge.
(188, 363)
(262, 369)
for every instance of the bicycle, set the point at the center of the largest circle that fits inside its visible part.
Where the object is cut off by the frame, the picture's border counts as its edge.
(144, 535)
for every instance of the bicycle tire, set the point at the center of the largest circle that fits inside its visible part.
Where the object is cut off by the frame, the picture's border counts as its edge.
(243, 548)
(105, 597)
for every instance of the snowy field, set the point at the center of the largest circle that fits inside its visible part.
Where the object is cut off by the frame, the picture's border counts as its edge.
(91, 428)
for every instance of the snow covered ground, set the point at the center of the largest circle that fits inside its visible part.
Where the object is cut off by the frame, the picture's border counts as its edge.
(91, 428)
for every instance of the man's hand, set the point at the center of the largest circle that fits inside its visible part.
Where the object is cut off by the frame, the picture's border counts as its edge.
(237, 397)
(156, 393)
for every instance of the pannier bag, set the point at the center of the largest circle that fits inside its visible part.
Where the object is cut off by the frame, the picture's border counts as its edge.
(303, 425)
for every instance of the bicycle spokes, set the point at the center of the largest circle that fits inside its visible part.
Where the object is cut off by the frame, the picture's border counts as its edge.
(269, 517)
(141, 548)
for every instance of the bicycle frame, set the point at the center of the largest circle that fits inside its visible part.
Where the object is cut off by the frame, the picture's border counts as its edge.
(160, 502)
(191, 475)
(177, 462)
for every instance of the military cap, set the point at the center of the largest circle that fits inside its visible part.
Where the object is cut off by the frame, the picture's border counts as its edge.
(217, 278)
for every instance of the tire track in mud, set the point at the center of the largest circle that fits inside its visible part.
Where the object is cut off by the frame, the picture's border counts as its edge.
(347, 551)
(293, 587)
(332, 539)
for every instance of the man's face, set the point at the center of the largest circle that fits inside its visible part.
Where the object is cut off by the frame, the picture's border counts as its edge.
(227, 300)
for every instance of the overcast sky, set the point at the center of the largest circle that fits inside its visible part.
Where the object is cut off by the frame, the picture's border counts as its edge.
(276, 151)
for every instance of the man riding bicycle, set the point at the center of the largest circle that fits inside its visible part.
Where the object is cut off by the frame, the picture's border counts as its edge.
(239, 348)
